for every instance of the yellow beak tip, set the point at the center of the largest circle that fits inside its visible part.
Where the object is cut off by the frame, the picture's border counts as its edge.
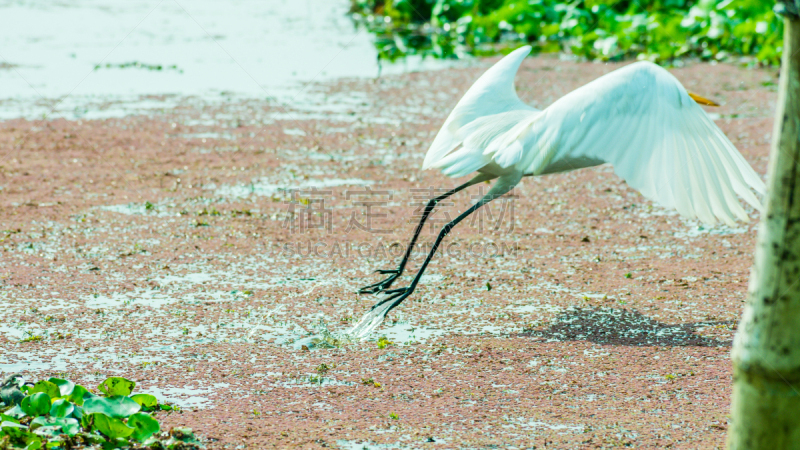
(702, 100)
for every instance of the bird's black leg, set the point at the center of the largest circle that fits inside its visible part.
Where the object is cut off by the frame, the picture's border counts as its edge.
(395, 273)
(396, 296)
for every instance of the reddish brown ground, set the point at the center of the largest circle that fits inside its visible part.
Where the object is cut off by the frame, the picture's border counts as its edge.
(200, 291)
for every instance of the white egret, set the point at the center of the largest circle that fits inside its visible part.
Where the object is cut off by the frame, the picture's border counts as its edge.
(639, 118)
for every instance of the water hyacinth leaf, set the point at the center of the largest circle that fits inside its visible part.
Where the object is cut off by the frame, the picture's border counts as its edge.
(151, 442)
(46, 387)
(41, 421)
(86, 422)
(91, 438)
(57, 442)
(183, 434)
(110, 427)
(5, 418)
(61, 408)
(146, 401)
(64, 386)
(79, 394)
(36, 404)
(70, 426)
(116, 386)
(77, 412)
(120, 443)
(144, 425)
(66, 425)
(118, 406)
(7, 424)
(20, 436)
(48, 432)
(16, 412)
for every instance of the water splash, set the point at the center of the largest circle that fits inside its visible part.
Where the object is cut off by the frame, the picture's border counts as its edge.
(370, 321)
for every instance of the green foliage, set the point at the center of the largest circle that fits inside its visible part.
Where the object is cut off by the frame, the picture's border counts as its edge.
(36, 405)
(116, 386)
(61, 408)
(109, 426)
(146, 401)
(61, 414)
(656, 30)
(143, 425)
(118, 406)
(46, 387)
(383, 342)
(67, 425)
(65, 387)
(78, 394)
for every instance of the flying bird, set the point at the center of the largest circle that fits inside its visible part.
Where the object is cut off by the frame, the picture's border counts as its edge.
(638, 118)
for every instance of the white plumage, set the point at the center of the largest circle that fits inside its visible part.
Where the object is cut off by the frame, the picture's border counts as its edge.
(639, 118)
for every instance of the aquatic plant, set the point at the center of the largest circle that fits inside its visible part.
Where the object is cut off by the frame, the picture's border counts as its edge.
(59, 414)
(657, 30)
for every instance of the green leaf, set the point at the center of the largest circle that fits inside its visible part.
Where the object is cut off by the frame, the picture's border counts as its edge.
(77, 412)
(48, 432)
(64, 386)
(145, 426)
(61, 408)
(5, 425)
(116, 386)
(47, 387)
(146, 401)
(55, 443)
(183, 434)
(15, 412)
(79, 394)
(5, 418)
(67, 425)
(20, 436)
(109, 426)
(36, 404)
(117, 443)
(91, 438)
(117, 406)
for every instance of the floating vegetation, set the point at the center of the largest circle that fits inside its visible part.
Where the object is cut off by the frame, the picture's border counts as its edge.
(659, 31)
(327, 339)
(138, 65)
(383, 342)
(59, 414)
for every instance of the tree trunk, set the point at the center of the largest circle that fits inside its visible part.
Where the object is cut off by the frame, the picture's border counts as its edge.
(765, 407)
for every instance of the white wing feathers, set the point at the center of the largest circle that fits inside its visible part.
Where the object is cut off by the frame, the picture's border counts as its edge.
(642, 121)
(638, 118)
(492, 94)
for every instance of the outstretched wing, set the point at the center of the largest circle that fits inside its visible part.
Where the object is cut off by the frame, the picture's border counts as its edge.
(660, 141)
(489, 108)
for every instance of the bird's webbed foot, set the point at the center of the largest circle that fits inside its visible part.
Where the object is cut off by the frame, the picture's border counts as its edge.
(381, 286)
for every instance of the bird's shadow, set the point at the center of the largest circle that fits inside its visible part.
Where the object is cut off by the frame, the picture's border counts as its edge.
(611, 326)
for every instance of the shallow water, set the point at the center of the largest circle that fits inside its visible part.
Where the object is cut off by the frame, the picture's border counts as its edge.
(205, 48)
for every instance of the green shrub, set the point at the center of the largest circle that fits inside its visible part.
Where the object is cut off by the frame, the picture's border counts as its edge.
(656, 30)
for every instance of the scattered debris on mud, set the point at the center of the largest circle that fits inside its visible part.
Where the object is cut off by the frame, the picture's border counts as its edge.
(200, 250)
